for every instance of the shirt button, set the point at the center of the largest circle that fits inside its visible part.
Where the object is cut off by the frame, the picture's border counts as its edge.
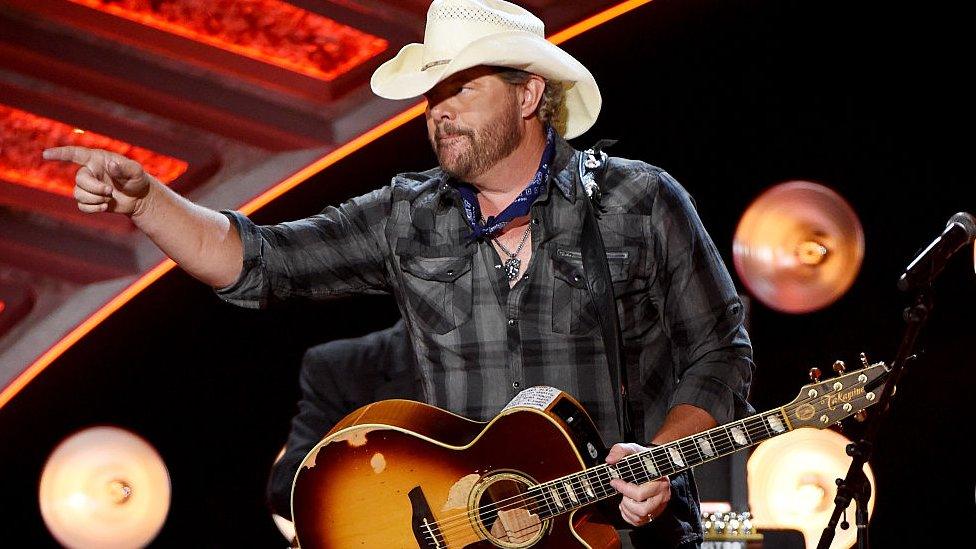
(577, 278)
(535, 220)
(512, 322)
(516, 385)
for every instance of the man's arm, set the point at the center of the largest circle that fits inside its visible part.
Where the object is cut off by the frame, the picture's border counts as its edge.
(203, 242)
(703, 319)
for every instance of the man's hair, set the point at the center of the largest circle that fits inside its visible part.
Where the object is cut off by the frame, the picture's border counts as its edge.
(552, 106)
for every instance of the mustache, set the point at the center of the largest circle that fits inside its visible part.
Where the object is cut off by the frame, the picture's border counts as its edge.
(449, 129)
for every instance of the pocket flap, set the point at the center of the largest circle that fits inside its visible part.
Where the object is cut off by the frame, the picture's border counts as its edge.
(440, 269)
(568, 266)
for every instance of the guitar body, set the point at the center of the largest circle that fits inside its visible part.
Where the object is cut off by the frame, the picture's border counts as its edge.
(402, 474)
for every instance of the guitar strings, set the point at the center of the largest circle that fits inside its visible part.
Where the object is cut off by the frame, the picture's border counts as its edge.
(753, 425)
(627, 465)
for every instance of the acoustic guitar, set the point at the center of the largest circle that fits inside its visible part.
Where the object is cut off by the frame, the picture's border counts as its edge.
(402, 474)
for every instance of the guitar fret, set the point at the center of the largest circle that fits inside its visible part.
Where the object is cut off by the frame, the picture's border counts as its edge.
(648, 462)
(762, 420)
(543, 508)
(661, 456)
(739, 435)
(775, 422)
(694, 446)
(571, 492)
(577, 482)
(602, 481)
(554, 492)
(587, 487)
(706, 446)
(675, 456)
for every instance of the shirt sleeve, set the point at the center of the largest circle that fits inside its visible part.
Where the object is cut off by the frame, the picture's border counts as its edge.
(703, 314)
(340, 251)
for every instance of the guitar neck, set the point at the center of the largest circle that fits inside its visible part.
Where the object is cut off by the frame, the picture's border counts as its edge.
(571, 492)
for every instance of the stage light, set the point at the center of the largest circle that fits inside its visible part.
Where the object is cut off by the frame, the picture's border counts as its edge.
(104, 487)
(27, 134)
(798, 247)
(271, 31)
(791, 484)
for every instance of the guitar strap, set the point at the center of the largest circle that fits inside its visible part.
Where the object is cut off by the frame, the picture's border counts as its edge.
(592, 165)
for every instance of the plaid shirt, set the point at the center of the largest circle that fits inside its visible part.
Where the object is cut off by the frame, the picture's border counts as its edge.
(478, 342)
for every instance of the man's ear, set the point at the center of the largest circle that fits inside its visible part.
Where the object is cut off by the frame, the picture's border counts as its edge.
(531, 95)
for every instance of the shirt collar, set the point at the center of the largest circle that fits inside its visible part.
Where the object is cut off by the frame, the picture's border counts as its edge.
(562, 172)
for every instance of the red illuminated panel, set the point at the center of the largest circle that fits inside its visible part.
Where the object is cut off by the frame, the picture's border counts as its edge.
(2, 306)
(267, 30)
(25, 135)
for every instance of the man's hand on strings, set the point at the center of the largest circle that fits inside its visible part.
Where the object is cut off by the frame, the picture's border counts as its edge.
(640, 503)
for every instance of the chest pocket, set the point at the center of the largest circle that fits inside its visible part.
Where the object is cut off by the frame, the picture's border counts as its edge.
(572, 310)
(438, 290)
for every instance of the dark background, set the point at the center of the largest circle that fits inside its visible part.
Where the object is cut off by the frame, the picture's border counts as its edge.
(869, 98)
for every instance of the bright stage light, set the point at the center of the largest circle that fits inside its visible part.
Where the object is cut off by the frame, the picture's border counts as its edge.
(104, 487)
(791, 484)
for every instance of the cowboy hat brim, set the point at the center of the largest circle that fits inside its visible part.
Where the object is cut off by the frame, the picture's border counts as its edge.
(404, 77)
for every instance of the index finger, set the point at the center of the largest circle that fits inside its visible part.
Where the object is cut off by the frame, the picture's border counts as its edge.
(639, 492)
(71, 153)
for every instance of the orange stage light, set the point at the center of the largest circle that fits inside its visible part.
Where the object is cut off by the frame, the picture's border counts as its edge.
(2, 306)
(271, 31)
(26, 135)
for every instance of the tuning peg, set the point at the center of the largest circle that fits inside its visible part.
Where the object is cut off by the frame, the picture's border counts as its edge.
(864, 360)
(815, 374)
(839, 367)
(861, 416)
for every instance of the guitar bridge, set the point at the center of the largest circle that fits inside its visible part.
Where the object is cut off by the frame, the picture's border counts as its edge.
(425, 529)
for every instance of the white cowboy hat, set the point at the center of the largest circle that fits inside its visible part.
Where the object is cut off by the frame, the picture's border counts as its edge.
(461, 34)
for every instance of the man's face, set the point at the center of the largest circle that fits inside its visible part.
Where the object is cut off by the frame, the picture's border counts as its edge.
(473, 121)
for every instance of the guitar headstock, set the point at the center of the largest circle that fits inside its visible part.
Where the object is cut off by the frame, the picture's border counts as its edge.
(823, 403)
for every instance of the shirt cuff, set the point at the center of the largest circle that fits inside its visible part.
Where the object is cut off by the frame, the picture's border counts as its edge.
(711, 395)
(246, 291)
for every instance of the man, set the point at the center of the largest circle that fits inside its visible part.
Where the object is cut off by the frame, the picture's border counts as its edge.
(483, 253)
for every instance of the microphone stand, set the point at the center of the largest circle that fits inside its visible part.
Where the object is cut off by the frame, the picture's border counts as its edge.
(855, 485)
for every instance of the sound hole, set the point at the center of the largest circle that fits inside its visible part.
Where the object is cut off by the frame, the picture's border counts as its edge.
(509, 512)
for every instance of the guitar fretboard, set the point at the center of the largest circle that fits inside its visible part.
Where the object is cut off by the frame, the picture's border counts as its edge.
(571, 492)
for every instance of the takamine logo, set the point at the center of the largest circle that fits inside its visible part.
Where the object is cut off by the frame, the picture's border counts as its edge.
(847, 396)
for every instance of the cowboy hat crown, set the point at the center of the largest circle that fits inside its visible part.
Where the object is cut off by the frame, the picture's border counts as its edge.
(461, 34)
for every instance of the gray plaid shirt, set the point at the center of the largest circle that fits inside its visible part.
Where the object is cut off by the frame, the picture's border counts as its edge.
(478, 342)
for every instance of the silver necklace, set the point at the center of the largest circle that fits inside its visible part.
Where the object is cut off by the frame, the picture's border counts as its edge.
(513, 263)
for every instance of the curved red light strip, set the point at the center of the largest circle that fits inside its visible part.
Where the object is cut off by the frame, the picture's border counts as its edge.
(140, 284)
(271, 31)
(27, 134)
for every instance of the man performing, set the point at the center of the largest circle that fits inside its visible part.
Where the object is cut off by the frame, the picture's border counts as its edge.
(483, 253)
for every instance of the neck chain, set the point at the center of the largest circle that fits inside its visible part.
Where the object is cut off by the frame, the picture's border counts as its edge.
(513, 263)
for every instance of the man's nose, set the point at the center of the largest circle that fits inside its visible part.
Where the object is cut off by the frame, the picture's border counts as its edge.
(441, 111)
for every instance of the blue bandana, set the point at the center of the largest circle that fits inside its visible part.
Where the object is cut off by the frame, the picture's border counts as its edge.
(519, 207)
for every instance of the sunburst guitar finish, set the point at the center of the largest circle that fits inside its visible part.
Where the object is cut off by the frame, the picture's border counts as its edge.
(402, 474)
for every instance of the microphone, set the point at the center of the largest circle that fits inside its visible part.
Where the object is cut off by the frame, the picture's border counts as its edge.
(960, 231)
